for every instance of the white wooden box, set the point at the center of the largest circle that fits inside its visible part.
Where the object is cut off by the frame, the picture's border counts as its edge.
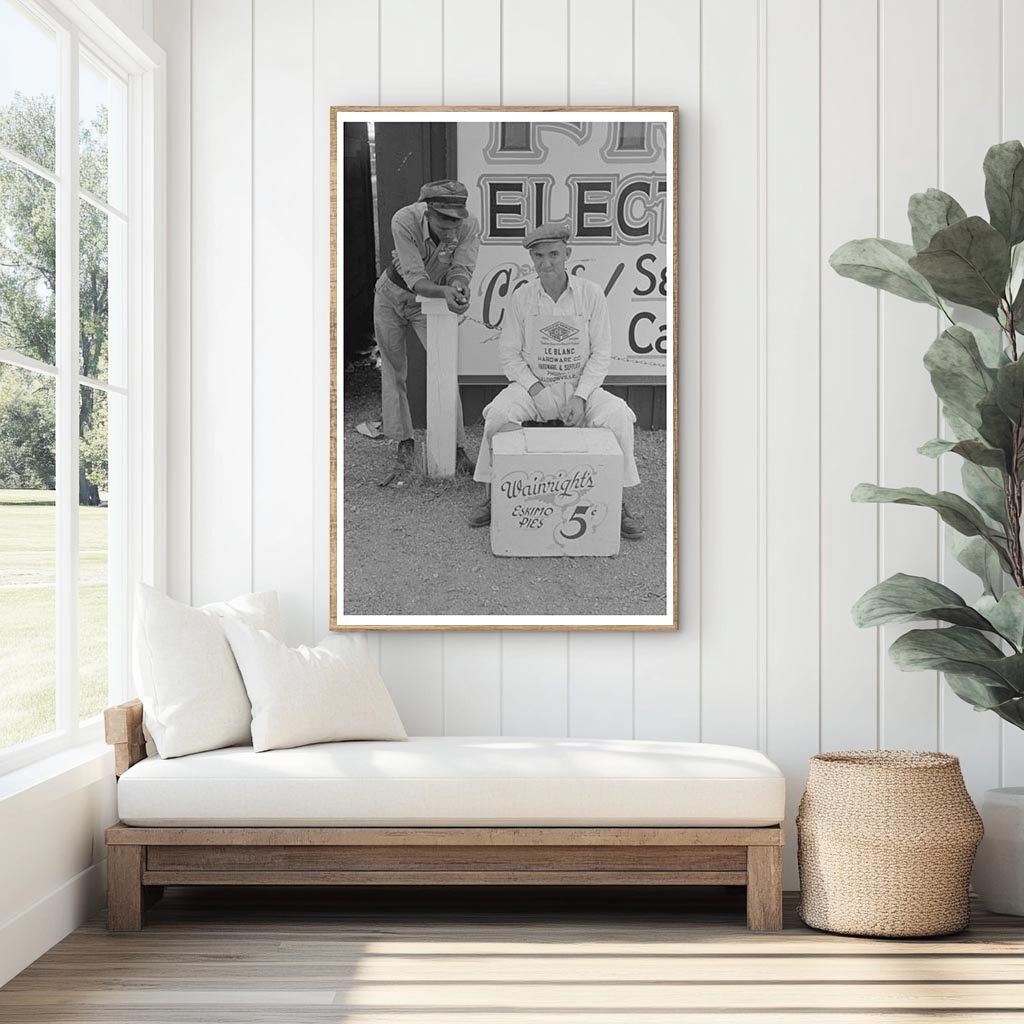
(556, 491)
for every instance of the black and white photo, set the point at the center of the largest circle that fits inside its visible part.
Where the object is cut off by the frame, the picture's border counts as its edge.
(504, 351)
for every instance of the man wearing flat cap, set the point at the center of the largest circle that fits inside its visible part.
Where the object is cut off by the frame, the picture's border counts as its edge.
(555, 349)
(436, 244)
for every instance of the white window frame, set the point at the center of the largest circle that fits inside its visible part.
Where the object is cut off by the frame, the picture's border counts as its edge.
(141, 64)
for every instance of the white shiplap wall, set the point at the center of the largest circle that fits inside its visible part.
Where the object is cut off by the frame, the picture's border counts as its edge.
(804, 123)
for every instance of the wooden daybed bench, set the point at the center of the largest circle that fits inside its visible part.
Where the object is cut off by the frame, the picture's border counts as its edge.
(444, 811)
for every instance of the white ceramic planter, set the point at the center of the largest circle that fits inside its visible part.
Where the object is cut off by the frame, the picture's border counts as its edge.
(998, 877)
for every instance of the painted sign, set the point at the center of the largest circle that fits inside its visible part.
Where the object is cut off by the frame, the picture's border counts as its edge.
(608, 181)
(557, 491)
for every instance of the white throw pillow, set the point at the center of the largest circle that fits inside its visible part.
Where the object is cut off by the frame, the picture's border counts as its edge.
(309, 694)
(192, 693)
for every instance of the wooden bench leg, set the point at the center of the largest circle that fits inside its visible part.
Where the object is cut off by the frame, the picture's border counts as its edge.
(125, 898)
(764, 888)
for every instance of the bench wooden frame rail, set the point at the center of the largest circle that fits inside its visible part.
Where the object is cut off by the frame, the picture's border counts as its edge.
(142, 860)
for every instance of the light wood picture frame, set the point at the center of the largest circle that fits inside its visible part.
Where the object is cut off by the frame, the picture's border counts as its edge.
(434, 194)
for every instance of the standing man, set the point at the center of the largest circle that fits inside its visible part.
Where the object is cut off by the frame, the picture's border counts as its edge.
(436, 244)
(555, 348)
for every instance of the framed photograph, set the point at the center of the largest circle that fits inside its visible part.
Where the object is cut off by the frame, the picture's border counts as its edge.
(504, 351)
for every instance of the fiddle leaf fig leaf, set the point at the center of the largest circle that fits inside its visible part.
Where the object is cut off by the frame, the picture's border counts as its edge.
(973, 451)
(1006, 614)
(1009, 390)
(979, 557)
(952, 509)
(996, 428)
(903, 598)
(1004, 189)
(929, 212)
(985, 487)
(982, 693)
(990, 345)
(959, 374)
(967, 263)
(962, 651)
(883, 264)
(962, 430)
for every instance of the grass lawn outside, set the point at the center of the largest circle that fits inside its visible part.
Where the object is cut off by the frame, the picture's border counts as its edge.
(28, 613)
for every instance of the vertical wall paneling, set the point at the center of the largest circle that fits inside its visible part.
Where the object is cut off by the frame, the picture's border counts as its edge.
(666, 666)
(173, 30)
(413, 671)
(472, 52)
(411, 52)
(968, 125)
(534, 670)
(792, 385)
(472, 75)
(909, 415)
(534, 52)
(283, 340)
(796, 136)
(221, 370)
(849, 369)
(600, 44)
(601, 685)
(1012, 127)
(472, 684)
(350, 30)
(729, 358)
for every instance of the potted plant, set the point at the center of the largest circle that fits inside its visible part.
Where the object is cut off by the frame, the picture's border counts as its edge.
(978, 374)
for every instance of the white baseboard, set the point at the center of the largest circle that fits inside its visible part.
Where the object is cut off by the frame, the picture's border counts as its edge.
(28, 936)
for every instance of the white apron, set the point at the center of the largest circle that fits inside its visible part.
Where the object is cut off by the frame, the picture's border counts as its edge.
(557, 346)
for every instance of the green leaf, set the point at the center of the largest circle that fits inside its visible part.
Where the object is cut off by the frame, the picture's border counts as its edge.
(962, 430)
(903, 598)
(967, 263)
(958, 372)
(883, 264)
(976, 555)
(1006, 614)
(985, 487)
(964, 652)
(982, 693)
(973, 451)
(990, 345)
(996, 428)
(929, 212)
(952, 509)
(1009, 390)
(1004, 189)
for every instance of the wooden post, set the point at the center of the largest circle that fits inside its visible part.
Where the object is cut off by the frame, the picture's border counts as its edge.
(764, 888)
(125, 897)
(442, 386)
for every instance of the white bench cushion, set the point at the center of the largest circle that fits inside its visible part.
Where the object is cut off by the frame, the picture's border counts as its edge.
(459, 780)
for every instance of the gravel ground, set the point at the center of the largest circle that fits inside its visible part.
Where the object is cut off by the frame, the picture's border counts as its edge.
(409, 550)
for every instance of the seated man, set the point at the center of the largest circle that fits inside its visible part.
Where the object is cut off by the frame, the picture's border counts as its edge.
(556, 349)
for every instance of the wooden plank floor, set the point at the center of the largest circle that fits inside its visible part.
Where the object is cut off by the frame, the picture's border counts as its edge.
(219, 956)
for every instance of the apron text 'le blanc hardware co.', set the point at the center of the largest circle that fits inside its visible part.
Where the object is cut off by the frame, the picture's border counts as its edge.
(557, 346)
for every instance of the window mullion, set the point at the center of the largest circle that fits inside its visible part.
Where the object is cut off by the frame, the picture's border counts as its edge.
(67, 386)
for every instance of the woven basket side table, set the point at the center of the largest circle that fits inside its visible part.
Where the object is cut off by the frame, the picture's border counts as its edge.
(885, 843)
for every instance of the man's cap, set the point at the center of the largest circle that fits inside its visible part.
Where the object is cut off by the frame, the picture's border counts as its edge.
(446, 197)
(552, 231)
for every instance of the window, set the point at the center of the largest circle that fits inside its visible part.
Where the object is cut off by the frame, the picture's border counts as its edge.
(75, 114)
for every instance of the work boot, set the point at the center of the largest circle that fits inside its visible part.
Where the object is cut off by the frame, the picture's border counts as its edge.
(480, 515)
(632, 528)
(464, 465)
(403, 464)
